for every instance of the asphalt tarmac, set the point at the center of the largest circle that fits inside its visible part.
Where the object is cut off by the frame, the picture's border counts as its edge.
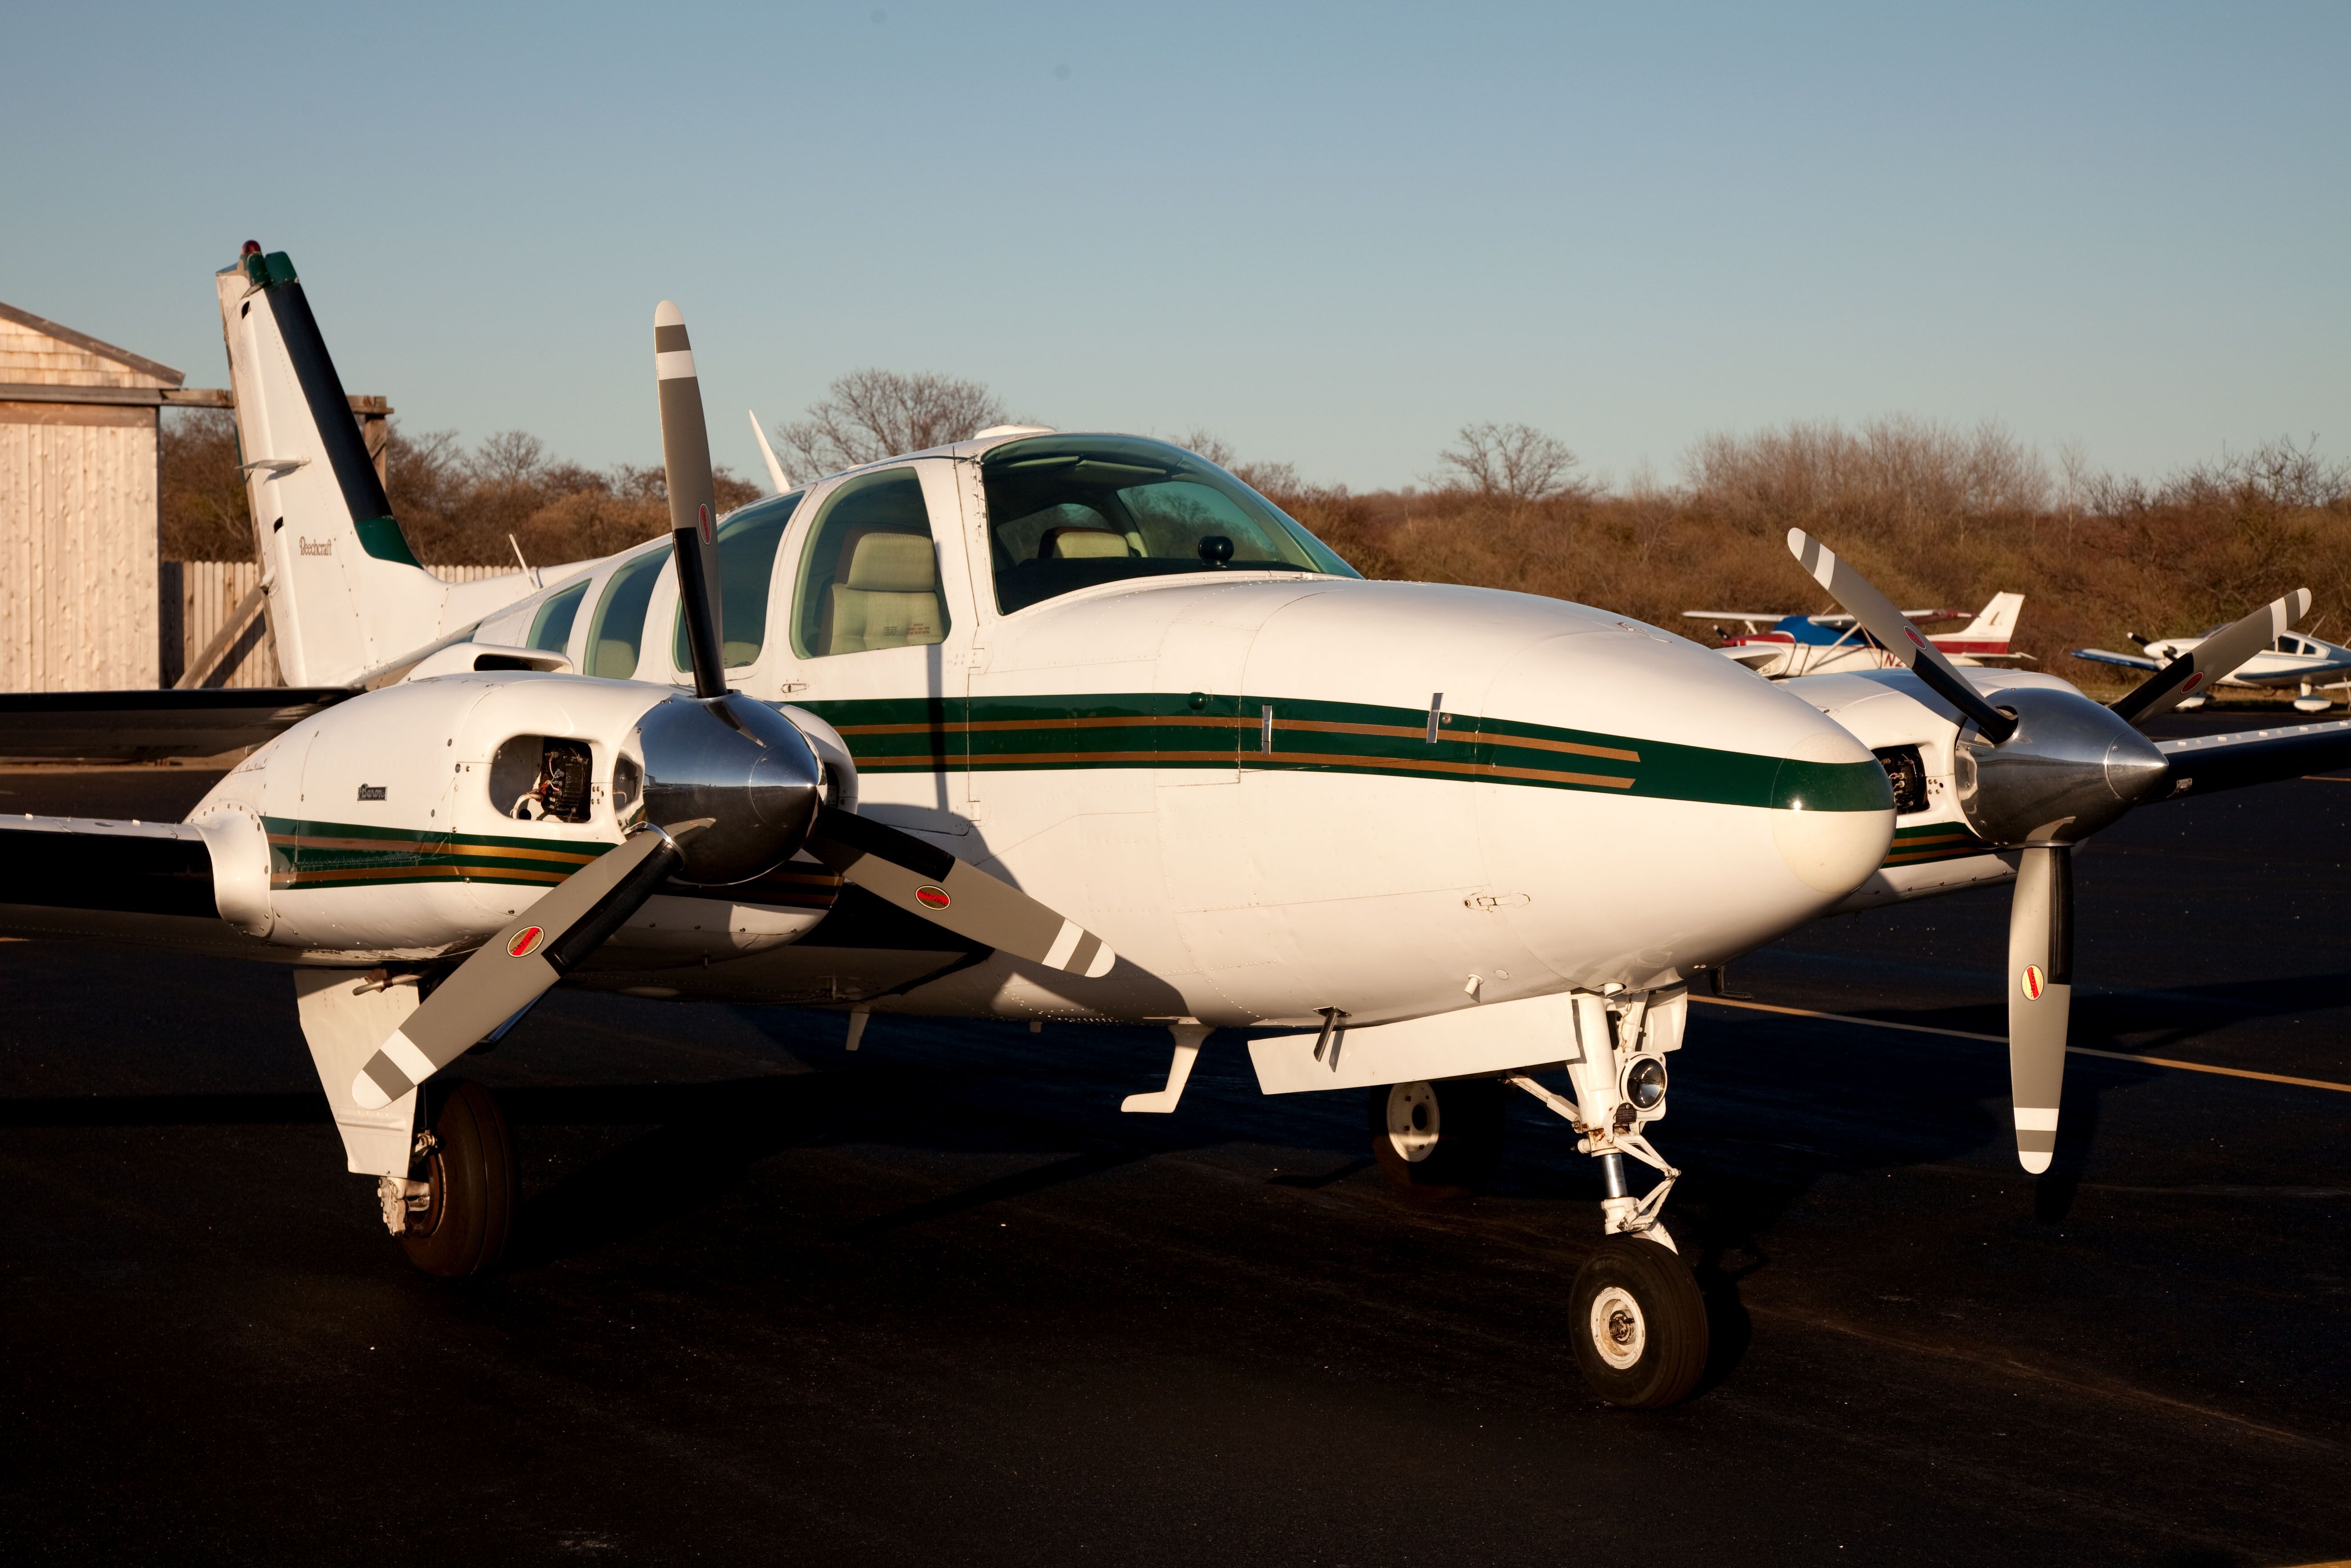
(939, 1302)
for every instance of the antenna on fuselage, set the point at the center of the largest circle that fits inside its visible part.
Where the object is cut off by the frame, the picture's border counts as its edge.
(776, 474)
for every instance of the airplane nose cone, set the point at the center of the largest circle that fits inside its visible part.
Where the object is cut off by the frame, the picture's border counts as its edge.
(1661, 809)
(1832, 820)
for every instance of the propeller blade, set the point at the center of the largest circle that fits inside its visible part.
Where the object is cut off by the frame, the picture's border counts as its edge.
(517, 966)
(2039, 999)
(954, 895)
(2212, 659)
(1894, 633)
(685, 458)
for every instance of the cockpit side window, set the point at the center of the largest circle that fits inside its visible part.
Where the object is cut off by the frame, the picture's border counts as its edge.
(550, 628)
(746, 565)
(870, 576)
(1068, 512)
(619, 628)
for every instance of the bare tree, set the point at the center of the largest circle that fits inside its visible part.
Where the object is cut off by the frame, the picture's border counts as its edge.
(1272, 480)
(867, 415)
(1510, 462)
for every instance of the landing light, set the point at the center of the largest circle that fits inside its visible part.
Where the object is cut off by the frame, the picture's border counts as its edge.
(1645, 1083)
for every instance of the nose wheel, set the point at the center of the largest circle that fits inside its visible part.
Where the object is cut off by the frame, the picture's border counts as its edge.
(1638, 1324)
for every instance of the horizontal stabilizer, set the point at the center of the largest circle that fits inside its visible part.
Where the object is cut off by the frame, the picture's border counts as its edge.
(134, 727)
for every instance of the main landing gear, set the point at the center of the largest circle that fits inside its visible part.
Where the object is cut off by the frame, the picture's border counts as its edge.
(455, 1211)
(1438, 1140)
(1636, 1317)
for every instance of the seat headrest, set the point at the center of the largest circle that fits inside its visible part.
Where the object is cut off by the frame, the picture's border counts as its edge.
(892, 563)
(1082, 544)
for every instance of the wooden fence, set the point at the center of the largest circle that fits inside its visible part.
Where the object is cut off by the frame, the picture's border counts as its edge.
(203, 600)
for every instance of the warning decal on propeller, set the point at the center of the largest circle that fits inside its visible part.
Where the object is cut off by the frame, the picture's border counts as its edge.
(932, 897)
(524, 940)
(2032, 982)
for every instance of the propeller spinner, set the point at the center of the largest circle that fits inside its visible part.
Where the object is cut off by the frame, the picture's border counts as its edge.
(2039, 771)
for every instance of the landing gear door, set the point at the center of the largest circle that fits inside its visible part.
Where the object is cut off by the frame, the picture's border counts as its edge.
(881, 624)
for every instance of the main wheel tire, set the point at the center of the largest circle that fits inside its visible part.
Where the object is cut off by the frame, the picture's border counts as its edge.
(1441, 1139)
(1639, 1325)
(469, 1214)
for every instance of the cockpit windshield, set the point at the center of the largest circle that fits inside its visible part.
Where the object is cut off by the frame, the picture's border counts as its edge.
(1065, 512)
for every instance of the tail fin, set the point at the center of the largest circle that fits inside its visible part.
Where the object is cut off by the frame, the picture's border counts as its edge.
(1995, 623)
(346, 594)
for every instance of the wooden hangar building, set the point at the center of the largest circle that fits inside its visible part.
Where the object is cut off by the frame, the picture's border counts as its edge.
(87, 602)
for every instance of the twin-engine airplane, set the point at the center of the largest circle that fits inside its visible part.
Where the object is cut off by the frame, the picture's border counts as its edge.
(1072, 727)
(1782, 646)
(2292, 659)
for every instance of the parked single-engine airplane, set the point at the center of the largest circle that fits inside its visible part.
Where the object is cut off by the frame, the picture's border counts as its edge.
(1780, 646)
(2294, 659)
(1052, 726)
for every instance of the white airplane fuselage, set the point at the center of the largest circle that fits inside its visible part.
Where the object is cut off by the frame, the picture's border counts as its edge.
(1230, 775)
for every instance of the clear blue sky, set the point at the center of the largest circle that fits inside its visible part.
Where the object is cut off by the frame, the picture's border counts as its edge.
(1331, 233)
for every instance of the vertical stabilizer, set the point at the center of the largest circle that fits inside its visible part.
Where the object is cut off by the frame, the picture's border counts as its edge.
(345, 593)
(1989, 632)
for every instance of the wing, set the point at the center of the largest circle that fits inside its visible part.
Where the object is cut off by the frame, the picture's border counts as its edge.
(2128, 661)
(133, 726)
(2209, 762)
(146, 884)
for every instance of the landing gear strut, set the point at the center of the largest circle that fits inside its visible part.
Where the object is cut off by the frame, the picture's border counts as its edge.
(455, 1211)
(1635, 1316)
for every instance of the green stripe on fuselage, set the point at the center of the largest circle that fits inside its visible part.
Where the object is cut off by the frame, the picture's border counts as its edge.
(354, 854)
(1216, 730)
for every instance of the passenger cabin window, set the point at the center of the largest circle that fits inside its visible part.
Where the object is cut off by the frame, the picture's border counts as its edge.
(746, 565)
(1067, 512)
(619, 628)
(871, 577)
(550, 628)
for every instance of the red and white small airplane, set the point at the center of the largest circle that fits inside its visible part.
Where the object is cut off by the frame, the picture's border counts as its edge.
(1779, 645)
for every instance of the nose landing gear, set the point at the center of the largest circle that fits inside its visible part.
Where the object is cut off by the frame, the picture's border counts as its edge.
(1635, 1316)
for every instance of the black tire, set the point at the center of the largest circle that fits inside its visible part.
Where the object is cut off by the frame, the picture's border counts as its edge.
(1639, 1325)
(462, 1229)
(1454, 1126)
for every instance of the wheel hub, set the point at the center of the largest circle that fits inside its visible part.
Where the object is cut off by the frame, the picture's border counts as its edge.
(1412, 1121)
(1619, 1331)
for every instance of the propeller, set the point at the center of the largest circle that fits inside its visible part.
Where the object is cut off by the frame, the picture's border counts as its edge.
(2039, 769)
(685, 457)
(2219, 655)
(1894, 633)
(732, 789)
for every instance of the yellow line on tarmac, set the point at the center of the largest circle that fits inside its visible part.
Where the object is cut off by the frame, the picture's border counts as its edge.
(2071, 1050)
